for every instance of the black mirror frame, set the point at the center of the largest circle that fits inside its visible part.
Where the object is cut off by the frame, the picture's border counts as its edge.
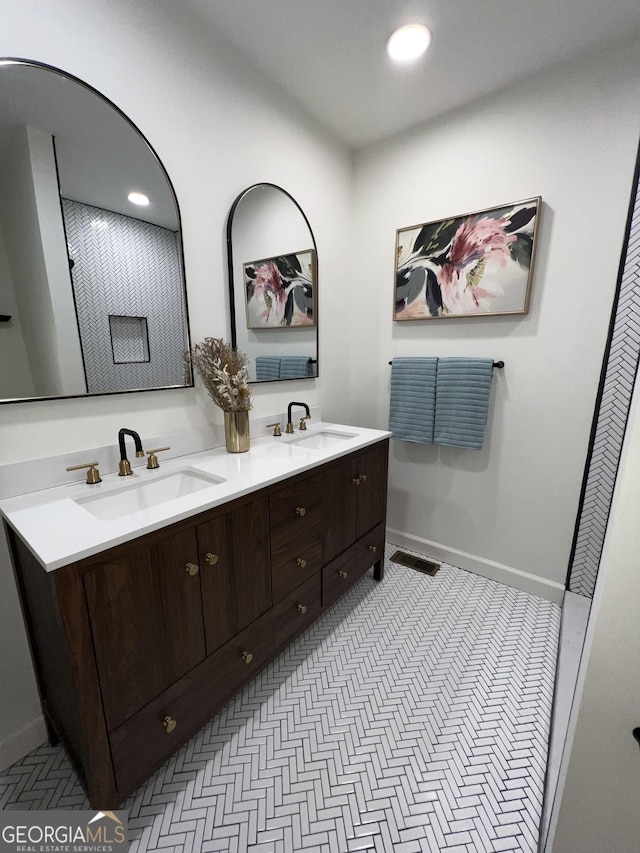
(33, 63)
(232, 301)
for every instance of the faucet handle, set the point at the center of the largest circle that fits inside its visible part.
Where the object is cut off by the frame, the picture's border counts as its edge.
(93, 475)
(303, 425)
(152, 461)
(276, 428)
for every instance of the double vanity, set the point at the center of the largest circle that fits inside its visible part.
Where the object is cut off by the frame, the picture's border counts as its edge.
(150, 600)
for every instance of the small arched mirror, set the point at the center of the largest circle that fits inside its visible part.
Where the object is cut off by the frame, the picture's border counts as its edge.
(273, 282)
(91, 284)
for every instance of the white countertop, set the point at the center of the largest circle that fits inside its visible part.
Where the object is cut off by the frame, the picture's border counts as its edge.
(59, 530)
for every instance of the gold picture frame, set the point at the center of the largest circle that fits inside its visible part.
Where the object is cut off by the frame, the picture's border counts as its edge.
(476, 264)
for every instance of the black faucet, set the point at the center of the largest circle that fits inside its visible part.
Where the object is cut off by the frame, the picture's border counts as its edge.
(302, 421)
(124, 468)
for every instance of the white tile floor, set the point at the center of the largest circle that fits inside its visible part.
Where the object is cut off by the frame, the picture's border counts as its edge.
(413, 716)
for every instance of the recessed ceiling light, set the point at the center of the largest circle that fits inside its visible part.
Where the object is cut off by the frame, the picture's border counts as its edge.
(138, 198)
(408, 43)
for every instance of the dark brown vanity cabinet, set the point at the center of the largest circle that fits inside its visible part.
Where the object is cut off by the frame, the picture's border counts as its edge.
(136, 647)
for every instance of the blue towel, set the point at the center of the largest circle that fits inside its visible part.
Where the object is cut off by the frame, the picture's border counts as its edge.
(294, 366)
(413, 389)
(462, 401)
(267, 367)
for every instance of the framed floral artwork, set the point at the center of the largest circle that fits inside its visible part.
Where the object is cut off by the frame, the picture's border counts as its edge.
(477, 264)
(280, 291)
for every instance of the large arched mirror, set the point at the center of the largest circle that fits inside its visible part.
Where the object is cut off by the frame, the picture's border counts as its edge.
(92, 294)
(273, 282)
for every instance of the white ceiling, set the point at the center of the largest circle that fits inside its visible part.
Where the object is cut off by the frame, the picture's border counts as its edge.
(100, 156)
(328, 55)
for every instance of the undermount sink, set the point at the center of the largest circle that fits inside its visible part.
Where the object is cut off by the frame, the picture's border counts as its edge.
(142, 496)
(322, 438)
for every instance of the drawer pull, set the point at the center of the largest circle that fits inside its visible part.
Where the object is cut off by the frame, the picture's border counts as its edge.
(192, 569)
(212, 559)
(169, 723)
(302, 608)
(300, 562)
(301, 511)
(363, 478)
(247, 657)
(355, 481)
(373, 548)
(343, 575)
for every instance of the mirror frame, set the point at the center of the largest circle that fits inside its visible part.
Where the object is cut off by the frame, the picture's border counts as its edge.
(232, 301)
(33, 63)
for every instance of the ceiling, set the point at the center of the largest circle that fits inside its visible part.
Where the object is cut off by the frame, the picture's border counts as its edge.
(328, 55)
(100, 157)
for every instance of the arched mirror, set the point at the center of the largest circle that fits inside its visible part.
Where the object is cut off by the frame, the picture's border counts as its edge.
(273, 282)
(92, 294)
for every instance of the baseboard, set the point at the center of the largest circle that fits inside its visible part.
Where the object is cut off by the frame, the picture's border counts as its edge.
(24, 741)
(532, 584)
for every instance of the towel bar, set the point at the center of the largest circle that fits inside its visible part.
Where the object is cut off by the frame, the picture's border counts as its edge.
(498, 364)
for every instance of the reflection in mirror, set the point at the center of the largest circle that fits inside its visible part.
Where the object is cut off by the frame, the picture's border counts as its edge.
(93, 283)
(273, 284)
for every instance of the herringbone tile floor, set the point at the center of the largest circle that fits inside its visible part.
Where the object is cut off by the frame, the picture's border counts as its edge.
(413, 716)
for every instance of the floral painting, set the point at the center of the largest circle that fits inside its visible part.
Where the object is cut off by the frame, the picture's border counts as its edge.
(474, 264)
(280, 291)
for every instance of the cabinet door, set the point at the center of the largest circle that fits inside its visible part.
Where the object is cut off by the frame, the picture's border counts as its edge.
(338, 509)
(354, 499)
(371, 476)
(236, 580)
(145, 611)
(295, 515)
(219, 594)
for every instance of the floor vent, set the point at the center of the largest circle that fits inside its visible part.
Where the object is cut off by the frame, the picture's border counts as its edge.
(417, 563)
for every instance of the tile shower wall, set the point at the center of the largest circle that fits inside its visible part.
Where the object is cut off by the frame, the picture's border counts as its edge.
(612, 410)
(127, 268)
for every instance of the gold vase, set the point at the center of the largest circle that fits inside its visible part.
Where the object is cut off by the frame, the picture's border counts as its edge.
(236, 431)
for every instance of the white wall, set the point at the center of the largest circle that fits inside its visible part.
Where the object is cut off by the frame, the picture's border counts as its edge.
(218, 130)
(15, 376)
(27, 261)
(64, 331)
(570, 137)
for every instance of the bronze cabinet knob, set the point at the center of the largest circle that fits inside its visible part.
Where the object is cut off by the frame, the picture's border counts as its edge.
(169, 724)
(362, 478)
(373, 548)
(355, 481)
(301, 511)
(212, 559)
(300, 562)
(247, 657)
(343, 574)
(302, 608)
(192, 569)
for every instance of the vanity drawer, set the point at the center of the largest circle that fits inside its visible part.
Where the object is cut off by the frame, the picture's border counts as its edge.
(341, 573)
(297, 611)
(296, 509)
(147, 738)
(293, 563)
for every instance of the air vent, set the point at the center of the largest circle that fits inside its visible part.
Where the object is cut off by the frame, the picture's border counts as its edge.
(417, 563)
